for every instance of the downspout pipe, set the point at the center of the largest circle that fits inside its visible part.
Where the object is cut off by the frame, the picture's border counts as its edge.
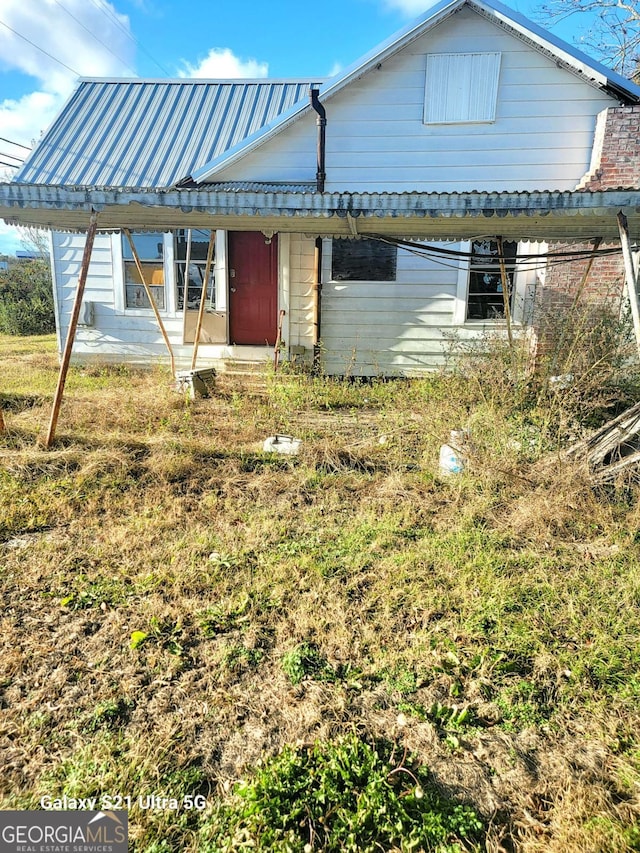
(317, 304)
(321, 123)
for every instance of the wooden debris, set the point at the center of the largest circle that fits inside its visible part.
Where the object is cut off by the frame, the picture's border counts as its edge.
(612, 449)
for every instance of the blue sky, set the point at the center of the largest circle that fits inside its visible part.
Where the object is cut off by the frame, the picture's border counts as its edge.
(45, 45)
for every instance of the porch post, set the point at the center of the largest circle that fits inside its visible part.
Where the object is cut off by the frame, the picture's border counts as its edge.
(136, 258)
(71, 333)
(203, 298)
(630, 275)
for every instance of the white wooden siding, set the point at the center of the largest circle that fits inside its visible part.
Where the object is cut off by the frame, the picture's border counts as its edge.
(387, 327)
(120, 334)
(376, 139)
(126, 335)
(302, 256)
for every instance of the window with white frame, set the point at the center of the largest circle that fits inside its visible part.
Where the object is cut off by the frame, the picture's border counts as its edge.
(461, 87)
(363, 260)
(192, 250)
(488, 273)
(146, 258)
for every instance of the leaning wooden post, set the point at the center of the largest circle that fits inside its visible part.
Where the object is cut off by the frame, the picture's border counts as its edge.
(136, 258)
(630, 276)
(203, 299)
(506, 296)
(71, 333)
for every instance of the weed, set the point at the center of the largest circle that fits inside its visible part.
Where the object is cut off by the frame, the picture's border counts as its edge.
(110, 715)
(306, 661)
(342, 796)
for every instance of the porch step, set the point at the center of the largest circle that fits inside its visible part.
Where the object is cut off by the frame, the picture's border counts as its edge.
(235, 367)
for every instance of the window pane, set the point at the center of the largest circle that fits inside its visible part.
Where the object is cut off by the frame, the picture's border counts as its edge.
(197, 267)
(137, 297)
(148, 246)
(486, 299)
(363, 260)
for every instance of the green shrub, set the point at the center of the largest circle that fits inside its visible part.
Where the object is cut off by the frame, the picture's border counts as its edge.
(345, 796)
(26, 299)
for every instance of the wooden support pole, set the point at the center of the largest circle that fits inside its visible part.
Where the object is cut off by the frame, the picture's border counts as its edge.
(136, 258)
(71, 333)
(276, 349)
(185, 295)
(630, 275)
(506, 296)
(2, 424)
(203, 299)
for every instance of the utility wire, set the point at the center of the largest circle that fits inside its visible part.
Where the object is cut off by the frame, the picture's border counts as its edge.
(11, 142)
(13, 156)
(99, 4)
(94, 36)
(24, 38)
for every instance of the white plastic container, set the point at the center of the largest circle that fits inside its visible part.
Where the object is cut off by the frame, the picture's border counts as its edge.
(282, 444)
(452, 456)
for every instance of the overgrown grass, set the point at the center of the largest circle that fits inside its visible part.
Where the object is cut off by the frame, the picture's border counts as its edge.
(182, 612)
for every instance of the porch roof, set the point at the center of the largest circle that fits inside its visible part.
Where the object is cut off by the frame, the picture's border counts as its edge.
(535, 215)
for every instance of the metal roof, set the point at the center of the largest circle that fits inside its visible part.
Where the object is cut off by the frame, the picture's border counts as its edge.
(152, 133)
(537, 215)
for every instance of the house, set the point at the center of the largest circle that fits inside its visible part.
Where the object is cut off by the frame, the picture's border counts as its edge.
(359, 219)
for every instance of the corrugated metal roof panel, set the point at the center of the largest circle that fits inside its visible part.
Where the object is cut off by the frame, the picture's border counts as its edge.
(152, 133)
(537, 215)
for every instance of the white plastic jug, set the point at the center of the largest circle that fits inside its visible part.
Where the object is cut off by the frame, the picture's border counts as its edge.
(452, 459)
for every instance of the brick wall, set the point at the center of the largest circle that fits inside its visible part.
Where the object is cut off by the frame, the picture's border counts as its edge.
(615, 164)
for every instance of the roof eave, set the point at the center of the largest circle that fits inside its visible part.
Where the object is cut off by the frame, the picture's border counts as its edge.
(538, 215)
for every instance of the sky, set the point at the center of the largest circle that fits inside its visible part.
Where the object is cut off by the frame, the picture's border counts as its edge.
(46, 45)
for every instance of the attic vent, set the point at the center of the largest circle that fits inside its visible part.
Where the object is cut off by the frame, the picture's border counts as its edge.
(461, 87)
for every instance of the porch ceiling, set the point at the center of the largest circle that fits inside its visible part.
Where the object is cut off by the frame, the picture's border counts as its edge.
(539, 215)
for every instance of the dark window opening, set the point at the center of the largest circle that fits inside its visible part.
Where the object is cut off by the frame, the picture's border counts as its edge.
(486, 299)
(363, 260)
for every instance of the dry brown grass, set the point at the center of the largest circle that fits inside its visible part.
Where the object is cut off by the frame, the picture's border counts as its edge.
(511, 591)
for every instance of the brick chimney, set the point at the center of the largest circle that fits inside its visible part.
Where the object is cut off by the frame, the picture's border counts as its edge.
(615, 159)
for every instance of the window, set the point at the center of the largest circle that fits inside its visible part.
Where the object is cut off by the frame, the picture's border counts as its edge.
(485, 300)
(461, 87)
(194, 244)
(363, 260)
(149, 249)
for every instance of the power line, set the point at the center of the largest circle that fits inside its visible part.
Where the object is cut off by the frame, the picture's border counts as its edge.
(94, 36)
(13, 156)
(99, 4)
(24, 38)
(11, 142)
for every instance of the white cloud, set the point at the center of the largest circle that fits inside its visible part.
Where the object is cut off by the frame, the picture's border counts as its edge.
(222, 63)
(81, 39)
(35, 28)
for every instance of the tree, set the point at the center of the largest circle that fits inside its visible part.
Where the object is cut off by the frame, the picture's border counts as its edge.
(611, 32)
(26, 298)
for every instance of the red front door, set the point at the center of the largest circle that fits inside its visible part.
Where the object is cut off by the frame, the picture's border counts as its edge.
(253, 286)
